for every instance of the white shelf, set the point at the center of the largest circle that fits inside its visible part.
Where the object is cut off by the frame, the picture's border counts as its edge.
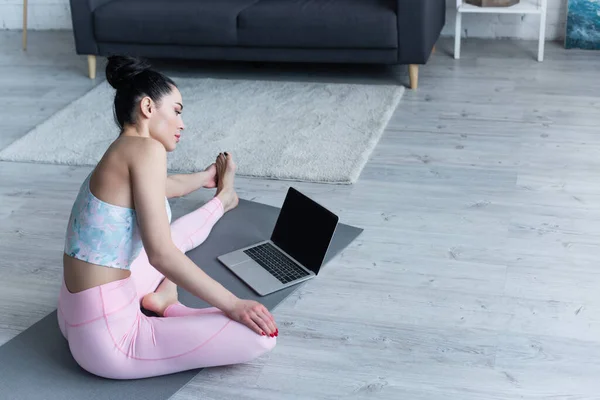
(524, 7)
(538, 7)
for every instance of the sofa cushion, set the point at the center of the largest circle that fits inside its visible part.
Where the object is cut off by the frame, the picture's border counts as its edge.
(319, 24)
(182, 22)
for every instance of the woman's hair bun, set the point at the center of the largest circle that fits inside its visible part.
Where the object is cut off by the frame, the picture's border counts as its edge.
(121, 70)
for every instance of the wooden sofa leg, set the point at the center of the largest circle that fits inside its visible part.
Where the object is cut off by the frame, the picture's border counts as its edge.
(413, 72)
(92, 66)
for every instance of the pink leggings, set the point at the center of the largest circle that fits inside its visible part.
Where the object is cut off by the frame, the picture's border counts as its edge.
(109, 336)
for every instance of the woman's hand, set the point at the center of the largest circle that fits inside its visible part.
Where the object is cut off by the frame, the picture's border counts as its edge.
(255, 316)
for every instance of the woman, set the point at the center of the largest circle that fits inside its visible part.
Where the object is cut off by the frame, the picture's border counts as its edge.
(123, 253)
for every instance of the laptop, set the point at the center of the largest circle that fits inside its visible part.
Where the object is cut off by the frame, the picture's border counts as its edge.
(294, 253)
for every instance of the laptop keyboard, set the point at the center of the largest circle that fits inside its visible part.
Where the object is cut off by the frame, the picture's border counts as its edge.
(271, 259)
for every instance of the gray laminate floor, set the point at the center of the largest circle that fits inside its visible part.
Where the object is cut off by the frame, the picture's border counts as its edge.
(477, 275)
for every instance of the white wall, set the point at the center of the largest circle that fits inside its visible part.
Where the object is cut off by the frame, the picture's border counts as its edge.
(55, 14)
(41, 14)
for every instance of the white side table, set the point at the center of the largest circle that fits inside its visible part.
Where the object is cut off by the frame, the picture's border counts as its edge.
(524, 7)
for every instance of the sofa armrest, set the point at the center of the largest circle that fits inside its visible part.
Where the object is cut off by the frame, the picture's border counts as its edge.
(83, 24)
(420, 24)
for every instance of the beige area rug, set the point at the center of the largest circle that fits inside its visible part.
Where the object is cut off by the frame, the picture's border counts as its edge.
(304, 131)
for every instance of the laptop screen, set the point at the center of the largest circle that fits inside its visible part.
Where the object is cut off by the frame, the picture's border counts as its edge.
(304, 229)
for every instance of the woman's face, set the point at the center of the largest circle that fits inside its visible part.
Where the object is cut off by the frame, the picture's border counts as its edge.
(166, 123)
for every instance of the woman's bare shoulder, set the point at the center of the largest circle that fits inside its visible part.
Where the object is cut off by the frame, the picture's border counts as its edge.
(126, 158)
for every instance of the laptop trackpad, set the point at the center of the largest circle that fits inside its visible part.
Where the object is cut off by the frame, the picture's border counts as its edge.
(256, 276)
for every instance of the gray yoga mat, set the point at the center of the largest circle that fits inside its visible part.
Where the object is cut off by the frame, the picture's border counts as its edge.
(37, 365)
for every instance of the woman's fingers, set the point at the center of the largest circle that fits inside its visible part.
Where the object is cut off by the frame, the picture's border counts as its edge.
(256, 317)
(271, 327)
(269, 318)
(266, 315)
(260, 308)
(271, 321)
(262, 324)
(249, 322)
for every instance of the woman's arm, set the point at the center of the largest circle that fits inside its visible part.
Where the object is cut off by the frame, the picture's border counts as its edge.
(149, 180)
(180, 185)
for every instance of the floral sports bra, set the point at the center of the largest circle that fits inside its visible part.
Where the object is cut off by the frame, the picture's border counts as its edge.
(102, 233)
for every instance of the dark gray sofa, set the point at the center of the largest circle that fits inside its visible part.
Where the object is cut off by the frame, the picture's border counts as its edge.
(337, 31)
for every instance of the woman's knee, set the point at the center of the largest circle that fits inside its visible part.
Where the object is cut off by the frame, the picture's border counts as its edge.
(260, 344)
(246, 343)
(270, 344)
(266, 342)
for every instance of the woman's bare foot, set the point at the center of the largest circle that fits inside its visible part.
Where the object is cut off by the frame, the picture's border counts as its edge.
(163, 297)
(225, 176)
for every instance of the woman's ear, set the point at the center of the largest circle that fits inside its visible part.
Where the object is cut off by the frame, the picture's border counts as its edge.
(146, 107)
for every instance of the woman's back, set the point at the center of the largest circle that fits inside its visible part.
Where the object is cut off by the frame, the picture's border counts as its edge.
(102, 235)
